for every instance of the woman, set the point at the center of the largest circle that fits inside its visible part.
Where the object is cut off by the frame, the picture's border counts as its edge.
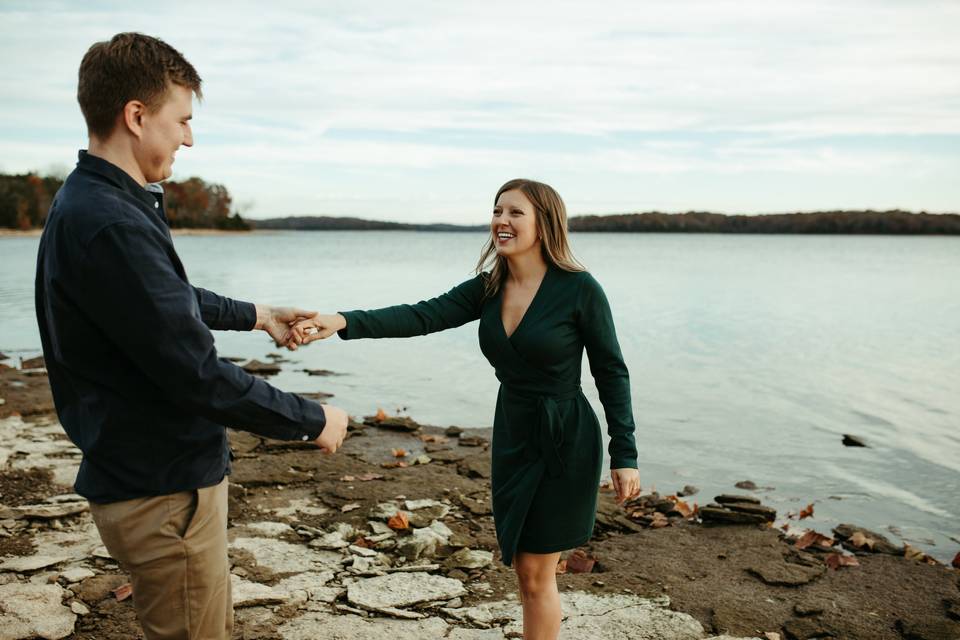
(538, 309)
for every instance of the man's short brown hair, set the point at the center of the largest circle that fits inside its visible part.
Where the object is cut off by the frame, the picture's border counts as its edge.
(131, 66)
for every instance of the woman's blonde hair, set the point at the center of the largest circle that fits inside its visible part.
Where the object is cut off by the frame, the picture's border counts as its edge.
(551, 219)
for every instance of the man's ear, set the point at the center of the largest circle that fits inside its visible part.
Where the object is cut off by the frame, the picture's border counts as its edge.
(132, 117)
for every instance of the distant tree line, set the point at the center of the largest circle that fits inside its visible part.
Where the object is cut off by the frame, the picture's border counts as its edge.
(25, 200)
(335, 223)
(849, 222)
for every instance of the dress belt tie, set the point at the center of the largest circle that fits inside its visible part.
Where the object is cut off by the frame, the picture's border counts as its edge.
(547, 434)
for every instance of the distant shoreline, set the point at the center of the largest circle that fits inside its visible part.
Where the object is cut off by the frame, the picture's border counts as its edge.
(867, 222)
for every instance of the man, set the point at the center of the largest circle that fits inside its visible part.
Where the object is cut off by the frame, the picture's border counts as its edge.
(135, 376)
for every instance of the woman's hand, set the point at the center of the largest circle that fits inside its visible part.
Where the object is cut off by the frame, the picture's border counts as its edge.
(626, 482)
(317, 328)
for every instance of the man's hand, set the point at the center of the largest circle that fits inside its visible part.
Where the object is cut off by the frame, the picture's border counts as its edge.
(626, 482)
(317, 327)
(331, 438)
(277, 321)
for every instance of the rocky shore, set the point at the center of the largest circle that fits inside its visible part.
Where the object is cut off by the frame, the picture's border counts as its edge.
(393, 536)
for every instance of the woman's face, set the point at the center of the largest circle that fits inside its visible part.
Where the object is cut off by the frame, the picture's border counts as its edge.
(514, 224)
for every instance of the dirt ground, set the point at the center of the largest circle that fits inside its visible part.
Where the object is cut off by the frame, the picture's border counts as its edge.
(744, 580)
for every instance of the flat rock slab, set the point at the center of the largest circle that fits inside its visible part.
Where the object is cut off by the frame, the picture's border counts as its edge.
(593, 617)
(278, 556)
(402, 590)
(250, 594)
(315, 625)
(32, 563)
(31, 611)
(44, 511)
(785, 574)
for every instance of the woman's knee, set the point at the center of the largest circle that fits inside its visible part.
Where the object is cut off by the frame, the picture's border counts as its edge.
(536, 573)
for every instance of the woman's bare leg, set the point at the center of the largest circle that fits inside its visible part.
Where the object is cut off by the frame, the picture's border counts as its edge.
(537, 577)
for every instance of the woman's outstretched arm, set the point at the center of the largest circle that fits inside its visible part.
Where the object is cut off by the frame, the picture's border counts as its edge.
(457, 307)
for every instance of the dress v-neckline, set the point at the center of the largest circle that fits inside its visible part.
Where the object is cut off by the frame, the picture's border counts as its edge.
(526, 312)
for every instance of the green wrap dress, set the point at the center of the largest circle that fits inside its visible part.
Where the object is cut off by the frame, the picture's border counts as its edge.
(547, 450)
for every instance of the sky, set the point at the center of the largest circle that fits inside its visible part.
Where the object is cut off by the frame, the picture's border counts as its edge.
(419, 111)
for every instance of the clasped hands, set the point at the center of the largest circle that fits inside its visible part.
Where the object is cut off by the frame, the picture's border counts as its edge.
(291, 327)
(280, 323)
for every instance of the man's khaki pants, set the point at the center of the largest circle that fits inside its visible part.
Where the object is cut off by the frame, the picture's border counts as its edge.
(175, 549)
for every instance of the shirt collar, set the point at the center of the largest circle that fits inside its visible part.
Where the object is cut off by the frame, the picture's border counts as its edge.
(118, 177)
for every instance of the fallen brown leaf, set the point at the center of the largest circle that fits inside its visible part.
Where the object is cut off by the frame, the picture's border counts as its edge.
(429, 437)
(580, 562)
(367, 477)
(837, 560)
(911, 553)
(659, 521)
(807, 511)
(381, 415)
(812, 538)
(399, 453)
(956, 561)
(397, 464)
(363, 542)
(682, 507)
(399, 522)
(860, 541)
(123, 592)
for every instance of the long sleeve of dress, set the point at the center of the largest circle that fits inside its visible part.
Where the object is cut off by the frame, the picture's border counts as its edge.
(609, 371)
(457, 307)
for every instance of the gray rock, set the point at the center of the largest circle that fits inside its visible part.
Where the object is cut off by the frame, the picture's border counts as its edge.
(805, 628)
(282, 557)
(397, 590)
(76, 574)
(688, 490)
(269, 529)
(79, 608)
(469, 559)
(250, 594)
(453, 432)
(32, 563)
(423, 517)
(423, 542)
(749, 485)
(460, 633)
(355, 627)
(845, 531)
(30, 611)
(767, 513)
(476, 466)
(725, 498)
(44, 511)
(853, 441)
(717, 515)
(785, 574)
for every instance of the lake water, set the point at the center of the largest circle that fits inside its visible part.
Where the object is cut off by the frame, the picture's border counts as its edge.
(749, 356)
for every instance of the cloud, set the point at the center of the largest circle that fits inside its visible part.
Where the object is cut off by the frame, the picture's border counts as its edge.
(641, 89)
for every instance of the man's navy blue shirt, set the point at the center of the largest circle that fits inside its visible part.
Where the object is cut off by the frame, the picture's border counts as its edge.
(134, 372)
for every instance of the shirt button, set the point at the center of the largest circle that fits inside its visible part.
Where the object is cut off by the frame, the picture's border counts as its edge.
(156, 205)
(305, 438)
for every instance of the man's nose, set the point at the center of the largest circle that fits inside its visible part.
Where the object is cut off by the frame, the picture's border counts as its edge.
(188, 137)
